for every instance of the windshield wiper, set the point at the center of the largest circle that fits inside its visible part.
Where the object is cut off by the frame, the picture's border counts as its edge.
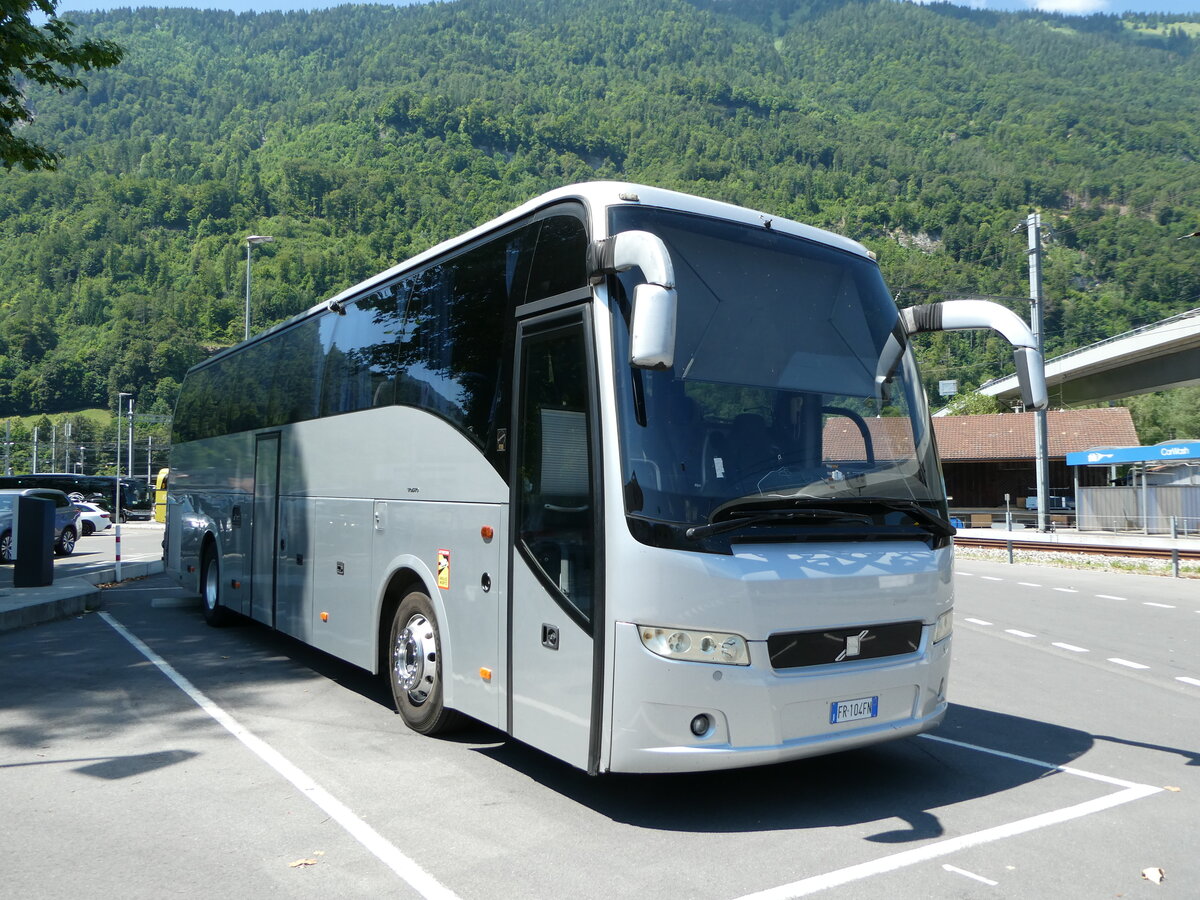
(747, 519)
(746, 512)
(922, 516)
(925, 517)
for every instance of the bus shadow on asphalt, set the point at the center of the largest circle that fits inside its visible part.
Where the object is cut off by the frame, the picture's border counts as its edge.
(904, 780)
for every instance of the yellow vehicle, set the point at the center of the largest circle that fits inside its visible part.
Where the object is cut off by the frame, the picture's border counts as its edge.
(160, 495)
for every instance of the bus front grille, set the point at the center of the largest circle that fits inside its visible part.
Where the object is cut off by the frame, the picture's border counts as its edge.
(796, 649)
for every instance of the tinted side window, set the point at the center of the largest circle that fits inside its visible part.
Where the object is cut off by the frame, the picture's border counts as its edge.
(200, 412)
(183, 423)
(296, 380)
(560, 258)
(247, 379)
(457, 338)
(452, 348)
(439, 340)
(361, 359)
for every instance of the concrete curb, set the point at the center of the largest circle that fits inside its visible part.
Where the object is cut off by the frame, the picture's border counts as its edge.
(69, 596)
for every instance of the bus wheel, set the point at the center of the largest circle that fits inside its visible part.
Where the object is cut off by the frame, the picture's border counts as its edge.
(210, 590)
(415, 667)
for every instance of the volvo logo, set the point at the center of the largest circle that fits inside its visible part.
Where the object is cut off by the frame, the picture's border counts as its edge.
(853, 646)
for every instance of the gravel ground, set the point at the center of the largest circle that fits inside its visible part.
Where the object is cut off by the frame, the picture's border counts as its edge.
(1063, 560)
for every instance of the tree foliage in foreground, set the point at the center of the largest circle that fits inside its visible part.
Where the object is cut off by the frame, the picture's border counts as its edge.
(43, 55)
(359, 136)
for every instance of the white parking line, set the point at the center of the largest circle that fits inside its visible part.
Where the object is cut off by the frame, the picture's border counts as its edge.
(1024, 634)
(420, 880)
(1070, 647)
(1028, 584)
(1109, 597)
(1125, 662)
(990, 578)
(1195, 682)
(1159, 605)
(957, 871)
(1130, 791)
(1067, 590)
(978, 622)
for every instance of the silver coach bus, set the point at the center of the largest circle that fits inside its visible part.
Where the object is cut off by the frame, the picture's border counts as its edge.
(644, 480)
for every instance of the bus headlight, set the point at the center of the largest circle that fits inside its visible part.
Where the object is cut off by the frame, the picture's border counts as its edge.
(943, 626)
(696, 646)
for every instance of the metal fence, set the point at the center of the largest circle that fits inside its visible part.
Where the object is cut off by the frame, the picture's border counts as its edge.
(1154, 509)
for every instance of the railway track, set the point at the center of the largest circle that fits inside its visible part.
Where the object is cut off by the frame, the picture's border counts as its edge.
(1085, 549)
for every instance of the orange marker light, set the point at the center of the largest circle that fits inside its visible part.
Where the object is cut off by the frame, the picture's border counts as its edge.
(487, 532)
(324, 617)
(485, 673)
(236, 583)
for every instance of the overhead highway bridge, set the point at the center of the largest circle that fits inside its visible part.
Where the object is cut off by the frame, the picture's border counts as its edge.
(1153, 358)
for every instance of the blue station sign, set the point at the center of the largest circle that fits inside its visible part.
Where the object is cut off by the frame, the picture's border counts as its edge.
(1178, 451)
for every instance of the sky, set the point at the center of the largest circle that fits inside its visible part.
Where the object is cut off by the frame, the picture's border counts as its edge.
(1070, 7)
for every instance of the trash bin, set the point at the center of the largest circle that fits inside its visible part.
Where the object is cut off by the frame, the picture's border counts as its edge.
(33, 529)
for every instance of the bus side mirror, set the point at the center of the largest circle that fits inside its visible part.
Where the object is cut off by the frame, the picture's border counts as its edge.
(652, 332)
(652, 326)
(1031, 376)
(962, 315)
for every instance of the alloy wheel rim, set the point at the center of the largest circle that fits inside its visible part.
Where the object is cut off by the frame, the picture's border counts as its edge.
(415, 659)
(210, 587)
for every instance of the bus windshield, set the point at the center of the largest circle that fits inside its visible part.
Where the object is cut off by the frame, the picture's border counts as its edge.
(792, 385)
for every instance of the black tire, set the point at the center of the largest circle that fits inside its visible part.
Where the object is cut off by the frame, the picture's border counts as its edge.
(415, 667)
(65, 545)
(88, 529)
(6, 547)
(215, 614)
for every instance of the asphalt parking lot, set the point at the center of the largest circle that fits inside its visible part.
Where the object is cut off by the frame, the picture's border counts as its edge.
(146, 754)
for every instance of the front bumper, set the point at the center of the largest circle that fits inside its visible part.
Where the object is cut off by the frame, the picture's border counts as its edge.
(760, 715)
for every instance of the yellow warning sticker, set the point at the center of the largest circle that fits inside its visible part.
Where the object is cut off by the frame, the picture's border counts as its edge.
(443, 569)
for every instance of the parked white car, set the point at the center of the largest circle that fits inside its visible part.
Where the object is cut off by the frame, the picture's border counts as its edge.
(92, 518)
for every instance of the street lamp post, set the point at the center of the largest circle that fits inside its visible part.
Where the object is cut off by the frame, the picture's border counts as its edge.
(129, 445)
(117, 512)
(250, 242)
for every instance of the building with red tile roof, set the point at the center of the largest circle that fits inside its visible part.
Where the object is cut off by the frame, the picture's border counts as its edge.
(986, 457)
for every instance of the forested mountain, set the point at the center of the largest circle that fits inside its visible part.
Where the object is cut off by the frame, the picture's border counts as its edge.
(360, 135)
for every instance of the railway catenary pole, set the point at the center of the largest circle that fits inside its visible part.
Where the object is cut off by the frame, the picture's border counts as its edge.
(1033, 230)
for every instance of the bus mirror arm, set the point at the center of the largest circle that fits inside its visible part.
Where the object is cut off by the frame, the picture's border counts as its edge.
(655, 302)
(962, 315)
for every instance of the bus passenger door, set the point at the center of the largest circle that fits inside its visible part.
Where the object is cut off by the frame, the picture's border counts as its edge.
(266, 528)
(555, 608)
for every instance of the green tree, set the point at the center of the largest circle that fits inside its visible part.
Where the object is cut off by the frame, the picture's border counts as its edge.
(974, 403)
(48, 56)
(1166, 416)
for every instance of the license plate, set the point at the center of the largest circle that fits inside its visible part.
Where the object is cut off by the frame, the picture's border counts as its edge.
(853, 710)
